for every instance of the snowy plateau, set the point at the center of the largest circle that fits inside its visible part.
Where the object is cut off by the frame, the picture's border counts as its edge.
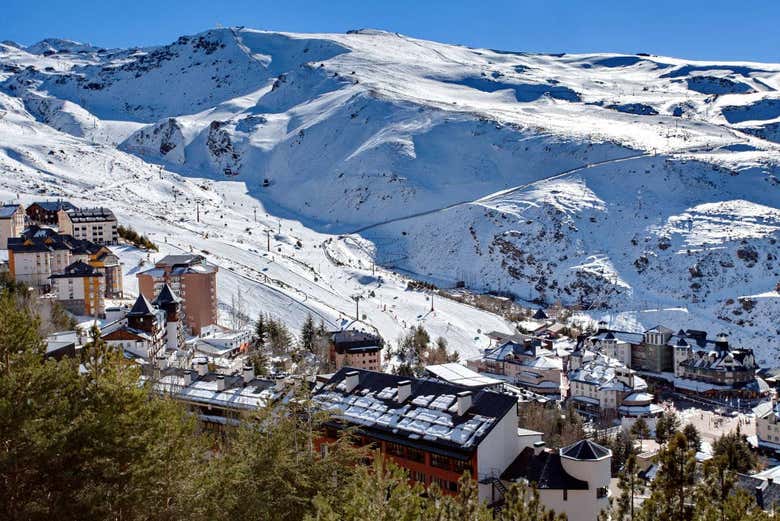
(643, 189)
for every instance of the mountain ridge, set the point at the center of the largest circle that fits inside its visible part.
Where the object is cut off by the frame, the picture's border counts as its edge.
(499, 169)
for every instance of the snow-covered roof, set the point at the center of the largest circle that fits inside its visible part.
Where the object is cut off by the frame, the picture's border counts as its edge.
(459, 374)
(428, 416)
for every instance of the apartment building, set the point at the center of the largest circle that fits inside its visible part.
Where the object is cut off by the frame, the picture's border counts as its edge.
(80, 288)
(41, 252)
(45, 212)
(434, 430)
(191, 278)
(768, 426)
(357, 349)
(98, 225)
(11, 223)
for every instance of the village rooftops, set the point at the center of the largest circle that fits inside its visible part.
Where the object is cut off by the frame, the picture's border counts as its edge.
(602, 371)
(426, 414)
(232, 392)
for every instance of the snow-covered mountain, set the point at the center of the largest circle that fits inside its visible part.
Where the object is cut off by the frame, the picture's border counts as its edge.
(637, 186)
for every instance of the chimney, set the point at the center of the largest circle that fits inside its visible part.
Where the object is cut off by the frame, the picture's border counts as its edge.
(539, 446)
(464, 402)
(722, 342)
(220, 383)
(187, 378)
(351, 380)
(249, 373)
(404, 391)
(202, 367)
(162, 362)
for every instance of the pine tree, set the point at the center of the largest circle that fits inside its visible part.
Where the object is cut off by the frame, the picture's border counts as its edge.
(258, 339)
(308, 334)
(674, 479)
(666, 426)
(693, 436)
(641, 430)
(630, 485)
(735, 450)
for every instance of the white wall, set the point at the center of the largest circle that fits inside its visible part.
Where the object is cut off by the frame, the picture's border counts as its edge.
(497, 450)
(580, 505)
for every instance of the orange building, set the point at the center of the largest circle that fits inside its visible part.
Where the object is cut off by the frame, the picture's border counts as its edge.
(80, 289)
(191, 278)
(434, 430)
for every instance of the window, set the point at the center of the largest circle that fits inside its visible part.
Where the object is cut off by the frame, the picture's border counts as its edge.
(395, 449)
(415, 455)
(565, 495)
(441, 462)
(419, 477)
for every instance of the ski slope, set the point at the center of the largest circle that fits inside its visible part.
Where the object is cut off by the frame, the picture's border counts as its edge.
(640, 188)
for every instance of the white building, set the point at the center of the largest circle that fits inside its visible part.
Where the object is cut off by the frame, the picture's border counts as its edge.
(768, 426)
(573, 480)
(97, 225)
(603, 386)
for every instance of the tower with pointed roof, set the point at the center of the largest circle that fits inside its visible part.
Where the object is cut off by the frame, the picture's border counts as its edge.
(169, 302)
(142, 316)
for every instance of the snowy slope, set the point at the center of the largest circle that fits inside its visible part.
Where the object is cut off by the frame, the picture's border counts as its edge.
(640, 187)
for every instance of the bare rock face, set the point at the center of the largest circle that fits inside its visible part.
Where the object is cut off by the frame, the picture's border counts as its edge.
(220, 148)
(162, 140)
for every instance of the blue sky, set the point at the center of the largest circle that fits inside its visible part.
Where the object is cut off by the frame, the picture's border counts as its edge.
(696, 29)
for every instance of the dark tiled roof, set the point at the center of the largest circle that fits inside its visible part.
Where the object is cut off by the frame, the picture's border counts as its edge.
(585, 450)
(77, 269)
(178, 260)
(767, 493)
(86, 215)
(141, 308)
(166, 296)
(540, 315)
(353, 341)
(54, 206)
(543, 470)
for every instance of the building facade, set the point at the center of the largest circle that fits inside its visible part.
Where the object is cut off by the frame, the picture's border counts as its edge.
(356, 349)
(190, 277)
(11, 223)
(573, 480)
(436, 431)
(45, 212)
(80, 288)
(98, 225)
(41, 252)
